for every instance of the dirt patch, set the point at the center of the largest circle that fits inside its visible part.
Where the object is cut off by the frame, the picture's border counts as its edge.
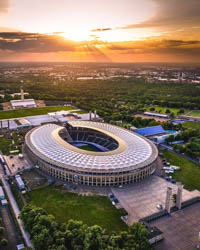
(152, 117)
(40, 103)
(33, 179)
(6, 106)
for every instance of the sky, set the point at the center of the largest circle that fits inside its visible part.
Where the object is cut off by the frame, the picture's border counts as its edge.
(100, 30)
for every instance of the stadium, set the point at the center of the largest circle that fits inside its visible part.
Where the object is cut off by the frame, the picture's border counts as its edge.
(91, 153)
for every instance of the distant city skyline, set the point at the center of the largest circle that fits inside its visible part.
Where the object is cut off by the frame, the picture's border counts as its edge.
(100, 30)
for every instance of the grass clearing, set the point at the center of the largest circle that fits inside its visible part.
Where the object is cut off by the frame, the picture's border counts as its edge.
(89, 209)
(195, 113)
(32, 111)
(6, 144)
(81, 112)
(189, 174)
(162, 110)
(16, 194)
(89, 148)
(192, 125)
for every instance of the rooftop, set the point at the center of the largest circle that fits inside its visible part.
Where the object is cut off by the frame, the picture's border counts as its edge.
(154, 130)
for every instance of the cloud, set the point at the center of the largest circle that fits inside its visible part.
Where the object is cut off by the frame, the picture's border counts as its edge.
(34, 42)
(8, 29)
(171, 13)
(172, 48)
(101, 29)
(4, 5)
(34, 46)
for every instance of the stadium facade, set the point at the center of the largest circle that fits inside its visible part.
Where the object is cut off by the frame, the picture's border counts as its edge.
(123, 157)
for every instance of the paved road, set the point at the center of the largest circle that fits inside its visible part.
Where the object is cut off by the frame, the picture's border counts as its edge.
(10, 228)
(16, 211)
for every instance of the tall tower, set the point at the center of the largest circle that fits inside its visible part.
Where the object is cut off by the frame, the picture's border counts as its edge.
(168, 199)
(22, 94)
(179, 195)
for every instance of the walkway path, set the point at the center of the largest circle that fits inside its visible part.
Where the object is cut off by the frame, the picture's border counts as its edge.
(10, 228)
(16, 211)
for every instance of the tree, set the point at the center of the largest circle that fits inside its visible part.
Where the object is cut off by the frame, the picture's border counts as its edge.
(4, 242)
(181, 111)
(46, 233)
(75, 234)
(152, 109)
(170, 138)
(172, 115)
(174, 198)
(2, 230)
(94, 238)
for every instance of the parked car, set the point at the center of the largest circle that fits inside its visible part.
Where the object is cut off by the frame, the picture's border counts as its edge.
(160, 207)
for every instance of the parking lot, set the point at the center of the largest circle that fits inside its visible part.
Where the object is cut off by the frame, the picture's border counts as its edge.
(180, 229)
(141, 199)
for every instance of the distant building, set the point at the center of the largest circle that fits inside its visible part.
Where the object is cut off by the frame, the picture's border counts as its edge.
(156, 114)
(155, 133)
(23, 103)
(27, 103)
(150, 131)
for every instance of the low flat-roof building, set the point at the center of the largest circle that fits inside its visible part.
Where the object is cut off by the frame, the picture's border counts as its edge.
(23, 123)
(150, 131)
(26, 103)
(20, 182)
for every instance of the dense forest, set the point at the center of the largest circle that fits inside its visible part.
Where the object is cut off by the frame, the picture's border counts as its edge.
(113, 99)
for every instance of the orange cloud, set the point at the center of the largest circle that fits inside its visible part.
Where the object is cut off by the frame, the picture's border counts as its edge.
(41, 47)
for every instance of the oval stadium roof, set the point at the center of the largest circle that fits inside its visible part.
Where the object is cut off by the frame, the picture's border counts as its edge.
(132, 153)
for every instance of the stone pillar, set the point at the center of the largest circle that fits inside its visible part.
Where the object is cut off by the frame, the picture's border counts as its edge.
(168, 199)
(22, 94)
(90, 115)
(95, 115)
(8, 124)
(179, 196)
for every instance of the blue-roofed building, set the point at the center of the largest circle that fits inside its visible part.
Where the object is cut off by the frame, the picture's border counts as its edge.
(150, 131)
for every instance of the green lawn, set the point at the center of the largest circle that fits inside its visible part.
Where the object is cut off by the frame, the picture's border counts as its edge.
(162, 110)
(6, 144)
(189, 174)
(16, 194)
(89, 148)
(192, 125)
(32, 111)
(89, 209)
(195, 113)
(81, 112)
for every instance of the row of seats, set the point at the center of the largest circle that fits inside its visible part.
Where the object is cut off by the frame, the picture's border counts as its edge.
(95, 137)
